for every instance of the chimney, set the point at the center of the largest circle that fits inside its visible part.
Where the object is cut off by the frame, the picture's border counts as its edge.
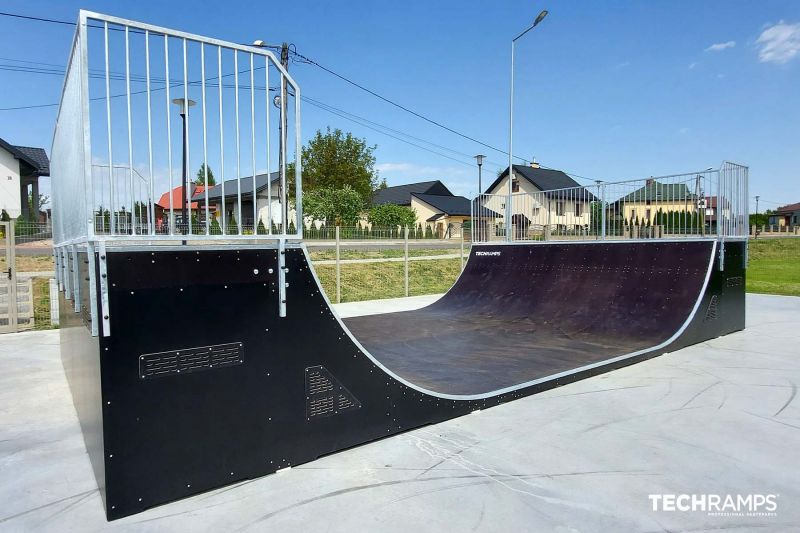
(650, 181)
(534, 164)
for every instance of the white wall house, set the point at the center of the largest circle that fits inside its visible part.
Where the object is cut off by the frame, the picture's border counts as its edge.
(20, 168)
(540, 197)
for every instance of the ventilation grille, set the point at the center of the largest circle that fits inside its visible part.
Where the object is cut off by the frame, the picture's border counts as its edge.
(325, 395)
(186, 360)
(734, 281)
(711, 312)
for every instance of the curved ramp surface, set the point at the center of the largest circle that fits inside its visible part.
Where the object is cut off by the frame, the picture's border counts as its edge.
(519, 313)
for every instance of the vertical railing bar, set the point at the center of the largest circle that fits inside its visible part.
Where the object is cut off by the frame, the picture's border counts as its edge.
(238, 149)
(88, 177)
(169, 138)
(298, 185)
(205, 138)
(269, 147)
(187, 196)
(284, 193)
(221, 144)
(112, 188)
(151, 222)
(130, 136)
(253, 141)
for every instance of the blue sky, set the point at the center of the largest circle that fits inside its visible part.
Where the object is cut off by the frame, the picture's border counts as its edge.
(605, 90)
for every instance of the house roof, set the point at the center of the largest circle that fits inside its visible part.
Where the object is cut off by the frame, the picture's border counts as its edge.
(544, 179)
(657, 191)
(401, 194)
(177, 197)
(231, 190)
(448, 205)
(788, 208)
(35, 158)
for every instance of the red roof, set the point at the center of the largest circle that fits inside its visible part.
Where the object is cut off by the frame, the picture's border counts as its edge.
(178, 196)
(789, 208)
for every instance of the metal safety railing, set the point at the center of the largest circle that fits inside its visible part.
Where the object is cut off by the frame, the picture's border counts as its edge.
(709, 203)
(166, 135)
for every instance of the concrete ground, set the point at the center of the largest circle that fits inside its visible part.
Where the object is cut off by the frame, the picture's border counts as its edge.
(717, 418)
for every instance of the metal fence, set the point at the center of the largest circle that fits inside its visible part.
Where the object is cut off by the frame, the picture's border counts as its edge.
(145, 109)
(372, 270)
(709, 203)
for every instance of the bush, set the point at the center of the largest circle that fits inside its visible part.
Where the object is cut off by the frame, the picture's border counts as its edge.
(392, 215)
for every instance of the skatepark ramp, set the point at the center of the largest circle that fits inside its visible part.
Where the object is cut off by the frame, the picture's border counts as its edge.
(198, 344)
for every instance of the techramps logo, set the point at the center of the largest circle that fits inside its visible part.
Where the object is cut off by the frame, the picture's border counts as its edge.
(494, 253)
(749, 505)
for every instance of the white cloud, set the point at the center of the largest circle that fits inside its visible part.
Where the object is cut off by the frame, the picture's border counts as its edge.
(692, 65)
(622, 65)
(779, 43)
(683, 131)
(718, 47)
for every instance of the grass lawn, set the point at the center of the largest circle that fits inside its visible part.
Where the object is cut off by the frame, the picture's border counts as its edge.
(35, 263)
(774, 266)
(375, 281)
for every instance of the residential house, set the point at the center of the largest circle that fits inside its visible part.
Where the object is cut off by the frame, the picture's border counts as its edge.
(788, 215)
(541, 198)
(433, 203)
(644, 203)
(169, 213)
(267, 188)
(20, 169)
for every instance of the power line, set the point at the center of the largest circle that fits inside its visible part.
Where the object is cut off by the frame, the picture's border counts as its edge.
(307, 60)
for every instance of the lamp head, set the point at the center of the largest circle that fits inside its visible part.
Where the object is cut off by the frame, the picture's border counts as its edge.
(183, 103)
(479, 158)
(540, 18)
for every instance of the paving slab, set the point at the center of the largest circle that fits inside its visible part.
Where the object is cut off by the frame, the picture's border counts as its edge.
(718, 418)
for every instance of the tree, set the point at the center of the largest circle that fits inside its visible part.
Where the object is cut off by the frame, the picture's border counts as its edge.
(339, 205)
(383, 185)
(392, 215)
(201, 176)
(334, 159)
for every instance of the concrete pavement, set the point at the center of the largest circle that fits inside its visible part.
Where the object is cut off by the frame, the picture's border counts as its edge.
(718, 418)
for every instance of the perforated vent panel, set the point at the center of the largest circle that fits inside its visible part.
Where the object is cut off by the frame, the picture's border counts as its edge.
(711, 312)
(186, 360)
(325, 395)
(734, 281)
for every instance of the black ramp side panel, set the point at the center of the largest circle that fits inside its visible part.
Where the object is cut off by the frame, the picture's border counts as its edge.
(295, 388)
(524, 312)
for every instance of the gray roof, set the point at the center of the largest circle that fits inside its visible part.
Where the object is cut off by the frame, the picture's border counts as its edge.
(231, 187)
(656, 191)
(401, 194)
(449, 205)
(35, 158)
(544, 179)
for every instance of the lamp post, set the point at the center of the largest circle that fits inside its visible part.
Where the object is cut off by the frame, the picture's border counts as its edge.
(539, 18)
(479, 158)
(184, 104)
(756, 231)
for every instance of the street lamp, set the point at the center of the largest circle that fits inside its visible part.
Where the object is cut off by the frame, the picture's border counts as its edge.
(479, 158)
(184, 104)
(757, 220)
(539, 18)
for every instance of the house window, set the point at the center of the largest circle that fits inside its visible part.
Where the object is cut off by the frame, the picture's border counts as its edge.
(633, 214)
(647, 214)
(515, 185)
(559, 209)
(578, 209)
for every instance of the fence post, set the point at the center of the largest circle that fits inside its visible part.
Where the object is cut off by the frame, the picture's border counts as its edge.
(602, 191)
(462, 246)
(338, 269)
(53, 302)
(405, 260)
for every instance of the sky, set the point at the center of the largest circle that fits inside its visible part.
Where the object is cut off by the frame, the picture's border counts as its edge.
(604, 90)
